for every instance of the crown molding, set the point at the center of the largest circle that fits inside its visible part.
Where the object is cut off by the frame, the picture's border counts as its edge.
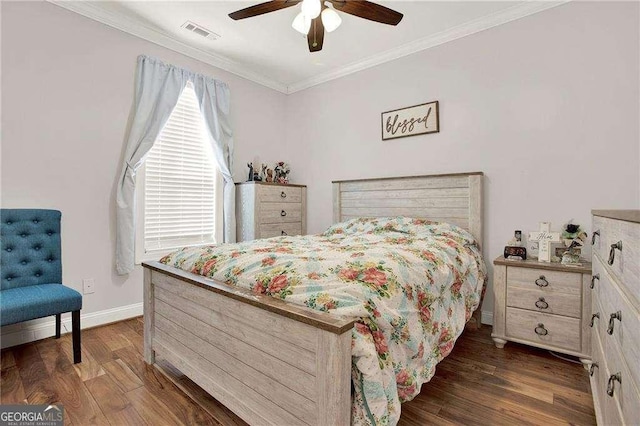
(122, 22)
(468, 28)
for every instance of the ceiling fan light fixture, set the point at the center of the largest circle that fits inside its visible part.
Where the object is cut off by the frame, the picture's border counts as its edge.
(312, 25)
(311, 8)
(301, 23)
(330, 19)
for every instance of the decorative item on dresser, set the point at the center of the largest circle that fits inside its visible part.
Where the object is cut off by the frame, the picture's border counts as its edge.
(544, 238)
(542, 304)
(615, 334)
(265, 210)
(281, 171)
(514, 249)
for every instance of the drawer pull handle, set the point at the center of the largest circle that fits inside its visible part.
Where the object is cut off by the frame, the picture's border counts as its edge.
(283, 213)
(541, 303)
(542, 281)
(283, 233)
(612, 322)
(593, 319)
(593, 237)
(594, 277)
(611, 384)
(283, 194)
(540, 330)
(612, 252)
(592, 368)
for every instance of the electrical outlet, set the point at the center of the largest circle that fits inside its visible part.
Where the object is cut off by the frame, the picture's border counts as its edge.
(88, 285)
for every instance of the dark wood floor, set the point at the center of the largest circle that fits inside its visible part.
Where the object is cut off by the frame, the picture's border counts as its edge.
(476, 385)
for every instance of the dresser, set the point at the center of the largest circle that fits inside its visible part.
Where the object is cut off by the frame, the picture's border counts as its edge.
(615, 331)
(547, 305)
(265, 210)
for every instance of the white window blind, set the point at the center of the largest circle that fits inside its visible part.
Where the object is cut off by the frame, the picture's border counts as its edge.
(180, 182)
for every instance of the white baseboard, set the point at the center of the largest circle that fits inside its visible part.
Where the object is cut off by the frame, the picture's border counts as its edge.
(487, 318)
(30, 331)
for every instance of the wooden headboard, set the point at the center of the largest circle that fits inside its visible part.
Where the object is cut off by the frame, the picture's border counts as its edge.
(453, 198)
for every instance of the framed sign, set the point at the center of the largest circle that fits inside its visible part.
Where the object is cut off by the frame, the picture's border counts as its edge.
(411, 121)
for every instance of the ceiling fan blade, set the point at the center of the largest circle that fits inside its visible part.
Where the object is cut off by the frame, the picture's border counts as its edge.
(368, 10)
(315, 37)
(262, 8)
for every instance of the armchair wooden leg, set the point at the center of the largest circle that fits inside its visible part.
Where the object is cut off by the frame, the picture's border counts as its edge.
(75, 330)
(58, 322)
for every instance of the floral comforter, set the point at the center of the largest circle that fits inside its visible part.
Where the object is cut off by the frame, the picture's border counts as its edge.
(413, 284)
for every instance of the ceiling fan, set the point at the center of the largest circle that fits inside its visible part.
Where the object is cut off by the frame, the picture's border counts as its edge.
(316, 16)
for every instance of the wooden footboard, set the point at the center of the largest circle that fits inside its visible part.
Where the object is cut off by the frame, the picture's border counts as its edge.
(267, 361)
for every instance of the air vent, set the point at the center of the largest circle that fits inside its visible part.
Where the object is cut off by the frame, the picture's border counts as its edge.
(201, 31)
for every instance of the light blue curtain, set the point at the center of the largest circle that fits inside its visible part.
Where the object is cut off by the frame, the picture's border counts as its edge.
(213, 97)
(157, 89)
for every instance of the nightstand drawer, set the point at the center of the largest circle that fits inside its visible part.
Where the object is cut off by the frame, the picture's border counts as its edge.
(280, 212)
(280, 194)
(543, 279)
(277, 230)
(545, 301)
(543, 329)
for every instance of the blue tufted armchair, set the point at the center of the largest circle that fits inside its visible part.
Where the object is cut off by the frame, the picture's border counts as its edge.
(31, 271)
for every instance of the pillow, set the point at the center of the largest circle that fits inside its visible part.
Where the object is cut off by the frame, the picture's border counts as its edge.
(420, 228)
(440, 229)
(363, 225)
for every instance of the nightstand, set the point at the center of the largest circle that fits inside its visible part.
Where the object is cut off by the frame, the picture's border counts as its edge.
(547, 305)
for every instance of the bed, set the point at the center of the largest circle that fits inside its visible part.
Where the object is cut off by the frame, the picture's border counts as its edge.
(273, 362)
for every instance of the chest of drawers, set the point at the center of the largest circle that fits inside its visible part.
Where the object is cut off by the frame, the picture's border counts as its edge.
(615, 333)
(265, 210)
(546, 305)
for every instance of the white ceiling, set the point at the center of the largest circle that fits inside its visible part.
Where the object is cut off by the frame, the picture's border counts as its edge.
(266, 49)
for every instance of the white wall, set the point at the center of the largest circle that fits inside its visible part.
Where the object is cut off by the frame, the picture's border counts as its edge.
(546, 106)
(67, 90)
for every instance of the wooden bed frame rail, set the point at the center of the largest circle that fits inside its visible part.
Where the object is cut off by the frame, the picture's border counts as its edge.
(267, 361)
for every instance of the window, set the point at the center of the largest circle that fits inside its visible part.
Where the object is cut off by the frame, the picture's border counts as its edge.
(180, 188)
